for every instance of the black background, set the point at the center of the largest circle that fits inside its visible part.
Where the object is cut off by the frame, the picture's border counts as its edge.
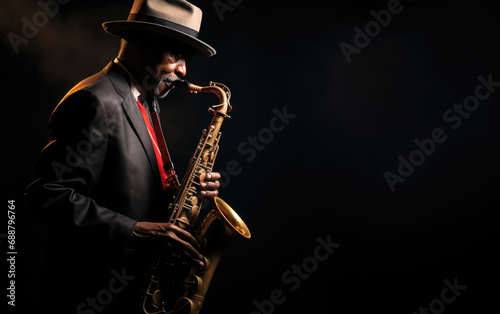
(323, 174)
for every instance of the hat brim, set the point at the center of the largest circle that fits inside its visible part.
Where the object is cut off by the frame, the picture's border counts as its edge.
(123, 28)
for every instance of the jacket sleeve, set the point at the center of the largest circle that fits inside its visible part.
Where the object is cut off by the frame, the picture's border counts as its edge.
(68, 169)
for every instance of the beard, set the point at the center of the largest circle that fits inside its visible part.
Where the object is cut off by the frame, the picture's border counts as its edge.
(162, 86)
(160, 90)
(159, 86)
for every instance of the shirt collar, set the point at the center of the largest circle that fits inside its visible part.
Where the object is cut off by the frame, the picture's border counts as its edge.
(137, 90)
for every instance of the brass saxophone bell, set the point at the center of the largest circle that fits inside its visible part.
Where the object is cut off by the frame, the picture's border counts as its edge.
(232, 218)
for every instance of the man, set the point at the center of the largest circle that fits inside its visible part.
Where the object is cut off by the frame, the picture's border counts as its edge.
(100, 183)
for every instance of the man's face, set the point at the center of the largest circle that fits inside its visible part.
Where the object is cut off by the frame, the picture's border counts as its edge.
(163, 65)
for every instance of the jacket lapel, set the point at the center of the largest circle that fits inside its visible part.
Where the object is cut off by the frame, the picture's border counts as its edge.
(119, 79)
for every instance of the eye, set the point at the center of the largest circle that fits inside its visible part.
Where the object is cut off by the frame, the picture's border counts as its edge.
(177, 56)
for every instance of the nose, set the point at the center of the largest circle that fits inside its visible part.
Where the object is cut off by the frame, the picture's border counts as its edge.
(181, 69)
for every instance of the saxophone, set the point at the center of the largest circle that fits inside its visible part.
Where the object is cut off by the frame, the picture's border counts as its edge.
(173, 284)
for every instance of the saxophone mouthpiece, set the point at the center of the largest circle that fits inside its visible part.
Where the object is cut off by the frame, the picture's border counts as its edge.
(184, 84)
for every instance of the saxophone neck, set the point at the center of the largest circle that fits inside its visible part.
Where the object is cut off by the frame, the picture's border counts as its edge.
(221, 90)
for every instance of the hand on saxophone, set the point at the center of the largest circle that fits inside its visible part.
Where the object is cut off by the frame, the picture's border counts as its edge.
(209, 186)
(167, 234)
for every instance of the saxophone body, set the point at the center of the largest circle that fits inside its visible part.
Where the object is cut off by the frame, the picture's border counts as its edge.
(173, 284)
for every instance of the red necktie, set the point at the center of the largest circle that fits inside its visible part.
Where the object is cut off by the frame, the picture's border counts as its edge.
(152, 135)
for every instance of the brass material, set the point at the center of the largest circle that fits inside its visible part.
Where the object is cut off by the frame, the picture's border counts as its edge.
(183, 305)
(157, 298)
(175, 286)
(183, 221)
(232, 218)
(203, 175)
(193, 200)
(194, 210)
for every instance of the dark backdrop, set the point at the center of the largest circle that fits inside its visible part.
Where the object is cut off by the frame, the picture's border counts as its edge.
(319, 170)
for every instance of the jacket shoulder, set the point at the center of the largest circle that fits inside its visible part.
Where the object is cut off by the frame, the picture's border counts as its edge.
(106, 88)
(108, 82)
(97, 96)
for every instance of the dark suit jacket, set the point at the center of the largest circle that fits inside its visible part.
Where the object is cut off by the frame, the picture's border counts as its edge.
(93, 181)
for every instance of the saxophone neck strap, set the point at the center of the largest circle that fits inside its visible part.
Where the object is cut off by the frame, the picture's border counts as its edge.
(165, 155)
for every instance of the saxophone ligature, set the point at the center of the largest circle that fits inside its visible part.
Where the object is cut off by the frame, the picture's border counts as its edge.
(174, 285)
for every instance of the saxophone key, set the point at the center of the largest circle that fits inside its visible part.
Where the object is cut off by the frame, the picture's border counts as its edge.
(193, 200)
(183, 222)
(157, 298)
(193, 283)
(194, 210)
(206, 264)
(203, 175)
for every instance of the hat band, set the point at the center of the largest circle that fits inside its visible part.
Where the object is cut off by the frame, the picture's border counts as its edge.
(156, 20)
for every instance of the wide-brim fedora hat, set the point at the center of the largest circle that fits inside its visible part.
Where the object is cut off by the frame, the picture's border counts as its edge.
(176, 19)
